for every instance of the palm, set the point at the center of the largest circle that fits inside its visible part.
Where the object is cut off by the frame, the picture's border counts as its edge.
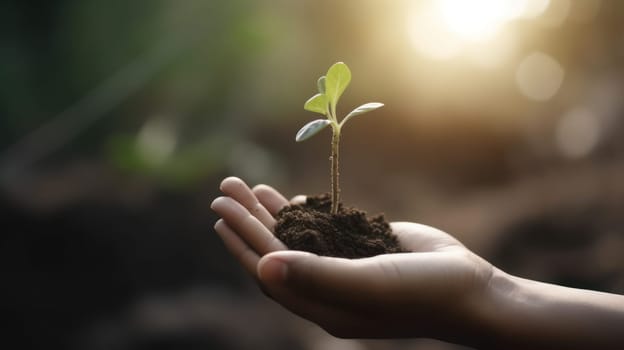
(349, 297)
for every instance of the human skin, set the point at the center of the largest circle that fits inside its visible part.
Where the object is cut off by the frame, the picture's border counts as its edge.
(440, 289)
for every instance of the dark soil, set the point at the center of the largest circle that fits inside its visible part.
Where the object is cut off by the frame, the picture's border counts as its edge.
(348, 234)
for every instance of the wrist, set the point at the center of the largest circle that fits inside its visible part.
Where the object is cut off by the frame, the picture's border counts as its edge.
(492, 310)
(478, 322)
(518, 313)
(496, 313)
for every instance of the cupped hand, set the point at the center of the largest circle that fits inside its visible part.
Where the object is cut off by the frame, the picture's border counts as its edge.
(435, 290)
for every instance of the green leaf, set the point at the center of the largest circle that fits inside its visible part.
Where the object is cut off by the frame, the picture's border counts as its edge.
(367, 107)
(321, 84)
(316, 103)
(336, 81)
(311, 129)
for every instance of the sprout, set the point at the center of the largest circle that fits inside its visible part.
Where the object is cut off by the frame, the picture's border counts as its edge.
(330, 88)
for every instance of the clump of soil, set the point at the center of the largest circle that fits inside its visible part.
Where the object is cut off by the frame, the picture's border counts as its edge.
(349, 234)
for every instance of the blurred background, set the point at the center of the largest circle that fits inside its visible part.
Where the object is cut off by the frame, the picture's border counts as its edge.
(503, 125)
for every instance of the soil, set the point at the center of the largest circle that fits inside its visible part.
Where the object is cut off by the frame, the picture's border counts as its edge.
(349, 234)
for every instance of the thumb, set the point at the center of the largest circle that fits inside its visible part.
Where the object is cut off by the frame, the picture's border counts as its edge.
(274, 269)
(328, 279)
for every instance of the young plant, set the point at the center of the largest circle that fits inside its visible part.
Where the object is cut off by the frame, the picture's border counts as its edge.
(330, 88)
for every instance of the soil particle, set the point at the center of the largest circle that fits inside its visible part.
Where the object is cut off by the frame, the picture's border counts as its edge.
(348, 234)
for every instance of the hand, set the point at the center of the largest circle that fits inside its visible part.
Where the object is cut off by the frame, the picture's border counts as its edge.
(433, 291)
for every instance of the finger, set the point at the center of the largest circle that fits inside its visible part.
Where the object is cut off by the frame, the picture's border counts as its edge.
(239, 249)
(329, 316)
(332, 280)
(298, 199)
(422, 238)
(392, 284)
(377, 285)
(246, 226)
(239, 191)
(270, 198)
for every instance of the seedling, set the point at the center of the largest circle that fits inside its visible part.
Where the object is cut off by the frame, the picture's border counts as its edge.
(330, 88)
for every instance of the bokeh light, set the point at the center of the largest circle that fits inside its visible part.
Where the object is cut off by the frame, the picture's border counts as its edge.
(577, 132)
(539, 76)
(156, 141)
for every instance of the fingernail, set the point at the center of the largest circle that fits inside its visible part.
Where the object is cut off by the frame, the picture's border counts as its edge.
(218, 224)
(273, 270)
(214, 203)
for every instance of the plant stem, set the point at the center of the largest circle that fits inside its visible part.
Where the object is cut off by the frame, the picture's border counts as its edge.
(335, 192)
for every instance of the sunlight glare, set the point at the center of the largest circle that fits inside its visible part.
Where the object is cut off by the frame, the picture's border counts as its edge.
(534, 8)
(478, 20)
(556, 13)
(430, 38)
(443, 29)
